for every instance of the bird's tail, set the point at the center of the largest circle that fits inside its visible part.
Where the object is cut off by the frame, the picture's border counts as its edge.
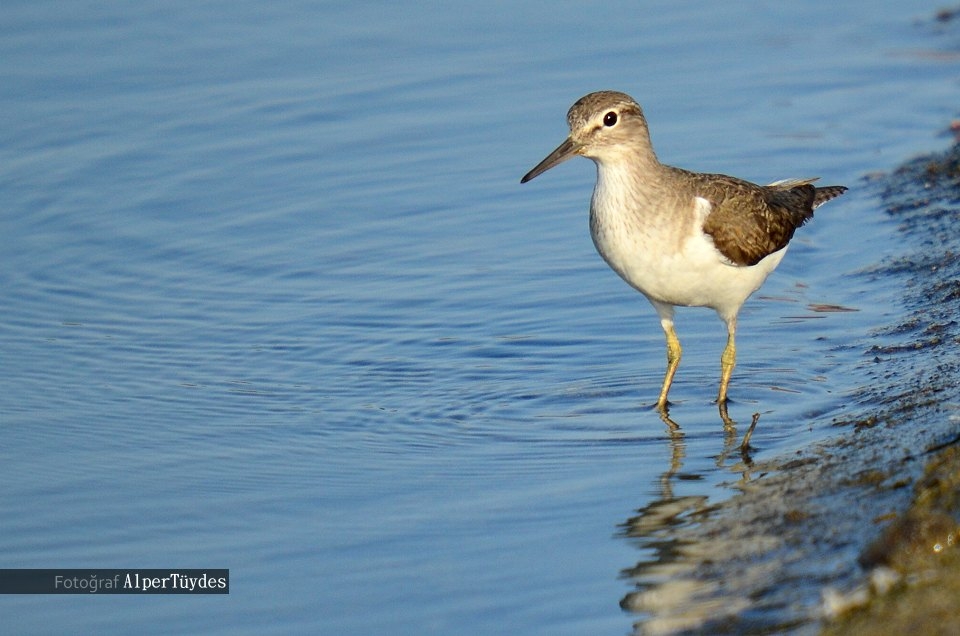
(820, 195)
(824, 194)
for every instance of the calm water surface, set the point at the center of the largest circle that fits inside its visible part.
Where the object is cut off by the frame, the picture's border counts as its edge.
(274, 300)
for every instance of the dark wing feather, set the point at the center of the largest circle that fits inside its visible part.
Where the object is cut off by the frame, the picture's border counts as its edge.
(749, 222)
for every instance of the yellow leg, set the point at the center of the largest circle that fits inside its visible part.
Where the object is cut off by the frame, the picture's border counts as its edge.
(727, 361)
(673, 361)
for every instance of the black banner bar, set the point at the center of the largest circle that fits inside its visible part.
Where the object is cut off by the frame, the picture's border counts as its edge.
(112, 581)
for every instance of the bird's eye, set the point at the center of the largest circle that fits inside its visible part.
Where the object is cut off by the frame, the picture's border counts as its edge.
(610, 119)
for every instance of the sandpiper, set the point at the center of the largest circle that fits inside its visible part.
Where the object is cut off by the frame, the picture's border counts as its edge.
(679, 237)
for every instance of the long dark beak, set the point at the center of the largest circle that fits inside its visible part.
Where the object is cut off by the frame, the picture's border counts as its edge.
(563, 152)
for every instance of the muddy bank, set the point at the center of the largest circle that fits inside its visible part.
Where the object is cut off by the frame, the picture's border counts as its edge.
(853, 533)
(853, 536)
(914, 586)
(916, 554)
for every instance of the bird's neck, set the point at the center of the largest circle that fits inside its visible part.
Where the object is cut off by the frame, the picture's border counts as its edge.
(629, 181)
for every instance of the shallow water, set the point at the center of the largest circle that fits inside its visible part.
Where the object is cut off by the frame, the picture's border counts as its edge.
(274, 299)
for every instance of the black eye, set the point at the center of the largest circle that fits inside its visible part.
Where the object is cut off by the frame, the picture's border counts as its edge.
(610, 119)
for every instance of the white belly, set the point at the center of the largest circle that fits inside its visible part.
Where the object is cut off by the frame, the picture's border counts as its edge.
(670, 260)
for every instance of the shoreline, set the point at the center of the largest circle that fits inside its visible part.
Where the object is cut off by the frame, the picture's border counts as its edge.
(859, 534)
(919, 547)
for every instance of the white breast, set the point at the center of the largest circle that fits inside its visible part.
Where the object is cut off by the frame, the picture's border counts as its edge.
(661, 250)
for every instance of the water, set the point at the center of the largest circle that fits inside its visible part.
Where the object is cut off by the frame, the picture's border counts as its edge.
(274, 299)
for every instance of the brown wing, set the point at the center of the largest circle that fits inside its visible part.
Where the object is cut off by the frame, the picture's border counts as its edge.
(749, 222)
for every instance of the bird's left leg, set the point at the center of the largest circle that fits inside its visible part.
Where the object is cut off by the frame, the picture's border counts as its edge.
(727, 360)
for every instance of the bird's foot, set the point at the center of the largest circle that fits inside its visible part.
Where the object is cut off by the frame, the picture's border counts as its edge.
(745, 446)
(724, 413)
(663, 408)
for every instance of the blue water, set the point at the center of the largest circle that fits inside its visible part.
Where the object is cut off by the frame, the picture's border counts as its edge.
(274, 300)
